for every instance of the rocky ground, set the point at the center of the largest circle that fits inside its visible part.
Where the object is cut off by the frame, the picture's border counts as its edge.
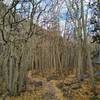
(53, 88)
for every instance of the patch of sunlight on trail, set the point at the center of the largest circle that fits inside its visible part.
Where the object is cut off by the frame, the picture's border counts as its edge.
(58, 92)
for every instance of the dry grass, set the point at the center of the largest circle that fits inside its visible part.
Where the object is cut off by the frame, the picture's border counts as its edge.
(82, 93)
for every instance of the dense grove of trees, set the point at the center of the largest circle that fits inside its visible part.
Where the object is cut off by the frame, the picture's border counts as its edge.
(34, 42)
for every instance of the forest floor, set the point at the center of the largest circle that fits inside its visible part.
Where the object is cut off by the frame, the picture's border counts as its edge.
(53, 88)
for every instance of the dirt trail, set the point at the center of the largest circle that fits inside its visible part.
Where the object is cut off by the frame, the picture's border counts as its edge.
(69, 89)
